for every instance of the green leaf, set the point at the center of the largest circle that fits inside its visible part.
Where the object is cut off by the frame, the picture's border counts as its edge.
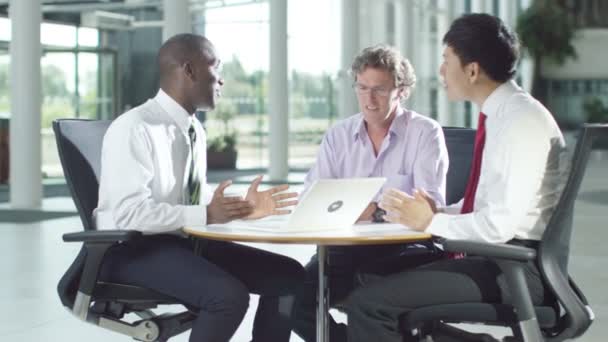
(546, 31)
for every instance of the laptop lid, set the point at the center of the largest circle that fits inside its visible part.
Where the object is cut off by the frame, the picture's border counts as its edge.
(333, 203)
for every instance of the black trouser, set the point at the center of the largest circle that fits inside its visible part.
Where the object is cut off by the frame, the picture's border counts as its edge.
(218, 283)
(374, 308)
(344, 263)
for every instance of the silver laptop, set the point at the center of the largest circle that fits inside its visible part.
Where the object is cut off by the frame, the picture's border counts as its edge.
(328, 204)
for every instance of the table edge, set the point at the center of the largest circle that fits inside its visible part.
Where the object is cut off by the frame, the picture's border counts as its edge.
(316, 240)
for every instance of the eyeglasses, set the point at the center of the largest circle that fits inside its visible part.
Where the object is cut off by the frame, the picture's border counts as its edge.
(375, 91)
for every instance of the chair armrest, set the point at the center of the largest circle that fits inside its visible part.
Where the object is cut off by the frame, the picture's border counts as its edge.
(96, 244)
(578, 291)
(511, 260)
(99, 236)
(490, 250)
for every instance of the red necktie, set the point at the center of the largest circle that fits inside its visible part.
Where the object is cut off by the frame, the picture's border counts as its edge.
(469, 194)
(480, 139)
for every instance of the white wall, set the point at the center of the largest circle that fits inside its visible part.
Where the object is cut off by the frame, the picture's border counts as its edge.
(590, 45)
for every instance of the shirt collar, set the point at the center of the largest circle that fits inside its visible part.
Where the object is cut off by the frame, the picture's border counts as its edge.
(493, 103)
(174, 110)
(401, 116)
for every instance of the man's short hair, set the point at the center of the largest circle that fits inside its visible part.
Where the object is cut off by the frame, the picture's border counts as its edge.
(182, 48)
(386, 58)
(485, 39)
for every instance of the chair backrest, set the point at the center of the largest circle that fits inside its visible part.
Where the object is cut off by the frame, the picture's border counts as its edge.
(555, 245)
(79, 145)
(460, 143)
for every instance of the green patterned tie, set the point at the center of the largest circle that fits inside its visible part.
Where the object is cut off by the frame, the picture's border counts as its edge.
(194, 183)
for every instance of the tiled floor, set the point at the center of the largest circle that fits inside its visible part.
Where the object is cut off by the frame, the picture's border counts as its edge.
(34, 257)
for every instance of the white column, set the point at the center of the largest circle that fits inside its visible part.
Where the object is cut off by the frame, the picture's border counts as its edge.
(526, 68)
(471, 110)
(374, 29)
(481, 6)
(390, 7)
(526, 3)
(176, 18)
(425, 50)
(25, 160)
(409, 41)
(401, 26)
(508, 13)
(347, 105)
(455, 110)
(278, 96)
(199, 20)
(446, 114)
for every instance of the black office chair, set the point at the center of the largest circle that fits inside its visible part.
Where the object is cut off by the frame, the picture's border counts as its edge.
(568, 318)
(102, 303)
(460, 143)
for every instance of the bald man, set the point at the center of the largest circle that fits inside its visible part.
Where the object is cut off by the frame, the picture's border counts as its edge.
(153, 180)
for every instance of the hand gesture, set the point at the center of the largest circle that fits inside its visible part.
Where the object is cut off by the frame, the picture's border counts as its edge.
(223, 209)
(414, 212)
(428, 198)
(269, 202)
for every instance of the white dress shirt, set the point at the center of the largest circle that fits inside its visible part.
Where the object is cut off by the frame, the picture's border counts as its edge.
(145, 161)
(522, 173)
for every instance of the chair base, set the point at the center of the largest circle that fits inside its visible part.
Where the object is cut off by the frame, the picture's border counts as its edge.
(442, 332)
(157, 328)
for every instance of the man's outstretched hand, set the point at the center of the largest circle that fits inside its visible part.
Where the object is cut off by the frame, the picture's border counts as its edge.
(223, 209)
(269, 202)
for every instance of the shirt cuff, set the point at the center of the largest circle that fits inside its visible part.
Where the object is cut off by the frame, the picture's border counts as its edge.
(195, 215)
(439, 225)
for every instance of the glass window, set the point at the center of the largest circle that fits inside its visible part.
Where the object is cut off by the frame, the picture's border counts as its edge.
(240, 34)
(87, 85)
(4, 115)
(5, 104)
(88, 36)
(58, 73)
(58, 35)
(314, 57)
(5, 29)
(58, 86)
(105, 89)
(241, 37)
(74, 84)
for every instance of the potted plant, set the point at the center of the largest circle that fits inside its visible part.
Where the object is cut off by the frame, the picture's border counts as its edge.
(221, 148)
(597, 112)
(546, 33)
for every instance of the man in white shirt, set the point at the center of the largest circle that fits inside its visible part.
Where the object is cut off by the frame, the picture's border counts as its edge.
(153, 179)
(516, 179)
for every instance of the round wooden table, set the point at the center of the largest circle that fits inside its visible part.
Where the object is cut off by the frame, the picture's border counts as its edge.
(270, 231)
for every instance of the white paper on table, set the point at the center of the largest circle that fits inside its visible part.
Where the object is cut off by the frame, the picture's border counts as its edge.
(277, 225)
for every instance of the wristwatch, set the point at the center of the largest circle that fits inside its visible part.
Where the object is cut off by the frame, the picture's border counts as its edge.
(378, 215)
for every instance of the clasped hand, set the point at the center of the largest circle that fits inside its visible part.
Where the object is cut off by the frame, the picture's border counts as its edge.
(415, 212)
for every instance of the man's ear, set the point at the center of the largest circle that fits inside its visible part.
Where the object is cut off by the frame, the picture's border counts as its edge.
(189, 70)
(403, 93)
(473, 70)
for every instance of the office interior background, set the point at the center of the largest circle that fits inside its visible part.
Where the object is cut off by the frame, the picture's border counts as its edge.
(285, 65)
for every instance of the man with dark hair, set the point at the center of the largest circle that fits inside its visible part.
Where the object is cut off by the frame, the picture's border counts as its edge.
(515, 181)
(486, 40)
(153, 179)
(384, 140)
